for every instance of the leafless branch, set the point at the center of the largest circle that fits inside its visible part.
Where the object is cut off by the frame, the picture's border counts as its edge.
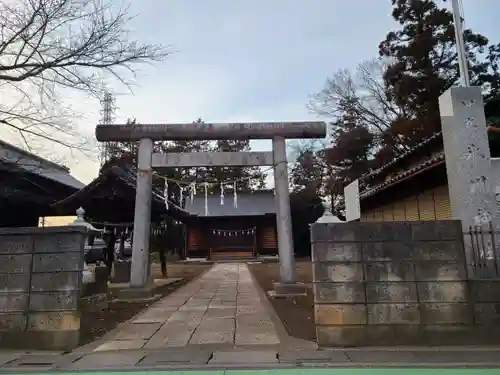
(48, 47)
(363, 91)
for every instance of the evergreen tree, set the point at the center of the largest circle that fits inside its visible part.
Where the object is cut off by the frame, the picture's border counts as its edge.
(122, 153)
(248, 178)
(307, 173)
(180, 178)
(424, 65)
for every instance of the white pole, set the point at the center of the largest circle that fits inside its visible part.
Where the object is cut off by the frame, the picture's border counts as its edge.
(459, 37)
(139, 272)
(283, 214)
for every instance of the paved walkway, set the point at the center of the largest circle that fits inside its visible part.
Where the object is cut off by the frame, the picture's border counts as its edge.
(222, 307)
(350, 361)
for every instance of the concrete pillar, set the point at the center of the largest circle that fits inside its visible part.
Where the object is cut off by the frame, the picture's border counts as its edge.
(283, 213)
(140, 272)
(468, 163)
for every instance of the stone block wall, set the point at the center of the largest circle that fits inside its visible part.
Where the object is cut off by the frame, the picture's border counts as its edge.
(40, 286)
(399, 283)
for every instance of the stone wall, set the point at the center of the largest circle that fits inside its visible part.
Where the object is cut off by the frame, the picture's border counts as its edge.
(40, 286)
(399, 283)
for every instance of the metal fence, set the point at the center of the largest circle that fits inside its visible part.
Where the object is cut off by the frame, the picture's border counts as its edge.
(482, 247)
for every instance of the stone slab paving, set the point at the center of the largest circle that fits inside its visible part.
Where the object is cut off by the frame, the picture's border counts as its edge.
(222, 307)
(141, 361)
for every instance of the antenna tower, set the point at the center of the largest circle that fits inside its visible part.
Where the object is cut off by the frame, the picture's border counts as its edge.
(107, 118)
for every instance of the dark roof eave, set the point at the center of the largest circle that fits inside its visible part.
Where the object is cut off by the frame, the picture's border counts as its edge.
(127, 177)
(408, 153)
(413, 150)
(428, 164)
(82, 192)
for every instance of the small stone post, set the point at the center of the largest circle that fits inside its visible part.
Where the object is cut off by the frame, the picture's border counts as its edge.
(139, 274)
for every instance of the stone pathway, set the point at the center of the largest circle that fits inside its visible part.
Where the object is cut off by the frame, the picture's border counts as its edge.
(429, 360)
(222, 307)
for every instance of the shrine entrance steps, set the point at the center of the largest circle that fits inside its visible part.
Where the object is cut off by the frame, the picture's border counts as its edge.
(239, 256)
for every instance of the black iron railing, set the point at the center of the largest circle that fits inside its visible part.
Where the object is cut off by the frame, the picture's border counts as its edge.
(482, 248)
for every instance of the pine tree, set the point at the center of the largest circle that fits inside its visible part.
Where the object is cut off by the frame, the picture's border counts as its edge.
(425, 64)
(122, 153)
(247, 178)
(180, 179)
(307, 173)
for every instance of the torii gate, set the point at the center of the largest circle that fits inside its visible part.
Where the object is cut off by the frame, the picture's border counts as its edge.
(146, 133)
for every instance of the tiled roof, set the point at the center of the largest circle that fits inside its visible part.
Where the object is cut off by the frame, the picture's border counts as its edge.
(127, 176)
(32, 163)
(434, 160)
(249, 204)
(402, 156)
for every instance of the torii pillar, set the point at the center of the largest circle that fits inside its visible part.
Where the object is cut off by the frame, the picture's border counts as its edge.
(277, 131)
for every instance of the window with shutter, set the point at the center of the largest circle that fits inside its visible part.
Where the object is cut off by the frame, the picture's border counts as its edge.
(442, 203)
(368, 216)
(426, 206)
(387, 212)
(411, 208)
(399, 211)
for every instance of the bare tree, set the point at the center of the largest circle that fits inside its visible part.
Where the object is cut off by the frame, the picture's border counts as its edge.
(362, 92)
(48, 47)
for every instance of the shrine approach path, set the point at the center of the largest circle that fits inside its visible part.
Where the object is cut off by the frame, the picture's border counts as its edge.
(222, 307)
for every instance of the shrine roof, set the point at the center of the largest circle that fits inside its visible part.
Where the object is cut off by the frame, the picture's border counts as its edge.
(436, 141)
(112, 195)
(31, 163)
(257, 203)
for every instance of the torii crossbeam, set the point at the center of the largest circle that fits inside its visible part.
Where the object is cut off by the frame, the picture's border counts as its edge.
(147, 133)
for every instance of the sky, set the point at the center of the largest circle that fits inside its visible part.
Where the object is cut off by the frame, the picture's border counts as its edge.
(247, 60)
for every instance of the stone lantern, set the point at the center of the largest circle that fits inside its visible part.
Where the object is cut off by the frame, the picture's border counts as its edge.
(80, 221)
(328, 217)
(88, 276)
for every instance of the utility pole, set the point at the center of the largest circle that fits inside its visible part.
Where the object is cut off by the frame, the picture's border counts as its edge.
(458, 21)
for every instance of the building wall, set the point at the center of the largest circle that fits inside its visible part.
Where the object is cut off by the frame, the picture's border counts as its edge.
(431, 204)
(200, 239)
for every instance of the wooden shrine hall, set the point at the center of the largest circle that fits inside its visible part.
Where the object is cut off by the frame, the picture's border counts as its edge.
(231, 231)
(110, 198)
(30, 185)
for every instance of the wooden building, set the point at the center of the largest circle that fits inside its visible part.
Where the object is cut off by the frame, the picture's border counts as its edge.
(110, 198)
(229, 231)
(29, 186)
(413, 186)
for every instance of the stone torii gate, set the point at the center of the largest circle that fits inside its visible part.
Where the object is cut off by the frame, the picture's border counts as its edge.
(146, 134)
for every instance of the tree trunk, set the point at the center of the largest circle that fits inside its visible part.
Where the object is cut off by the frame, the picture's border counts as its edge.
(110, 251)
(121, 251)
(163, 261)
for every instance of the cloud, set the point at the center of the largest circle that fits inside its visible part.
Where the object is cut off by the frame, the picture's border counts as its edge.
(257, 60)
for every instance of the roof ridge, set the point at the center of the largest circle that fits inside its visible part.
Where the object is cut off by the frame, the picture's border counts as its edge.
(402, 156)
(35, 157)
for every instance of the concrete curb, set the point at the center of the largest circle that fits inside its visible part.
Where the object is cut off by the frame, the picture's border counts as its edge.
(254, 366)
